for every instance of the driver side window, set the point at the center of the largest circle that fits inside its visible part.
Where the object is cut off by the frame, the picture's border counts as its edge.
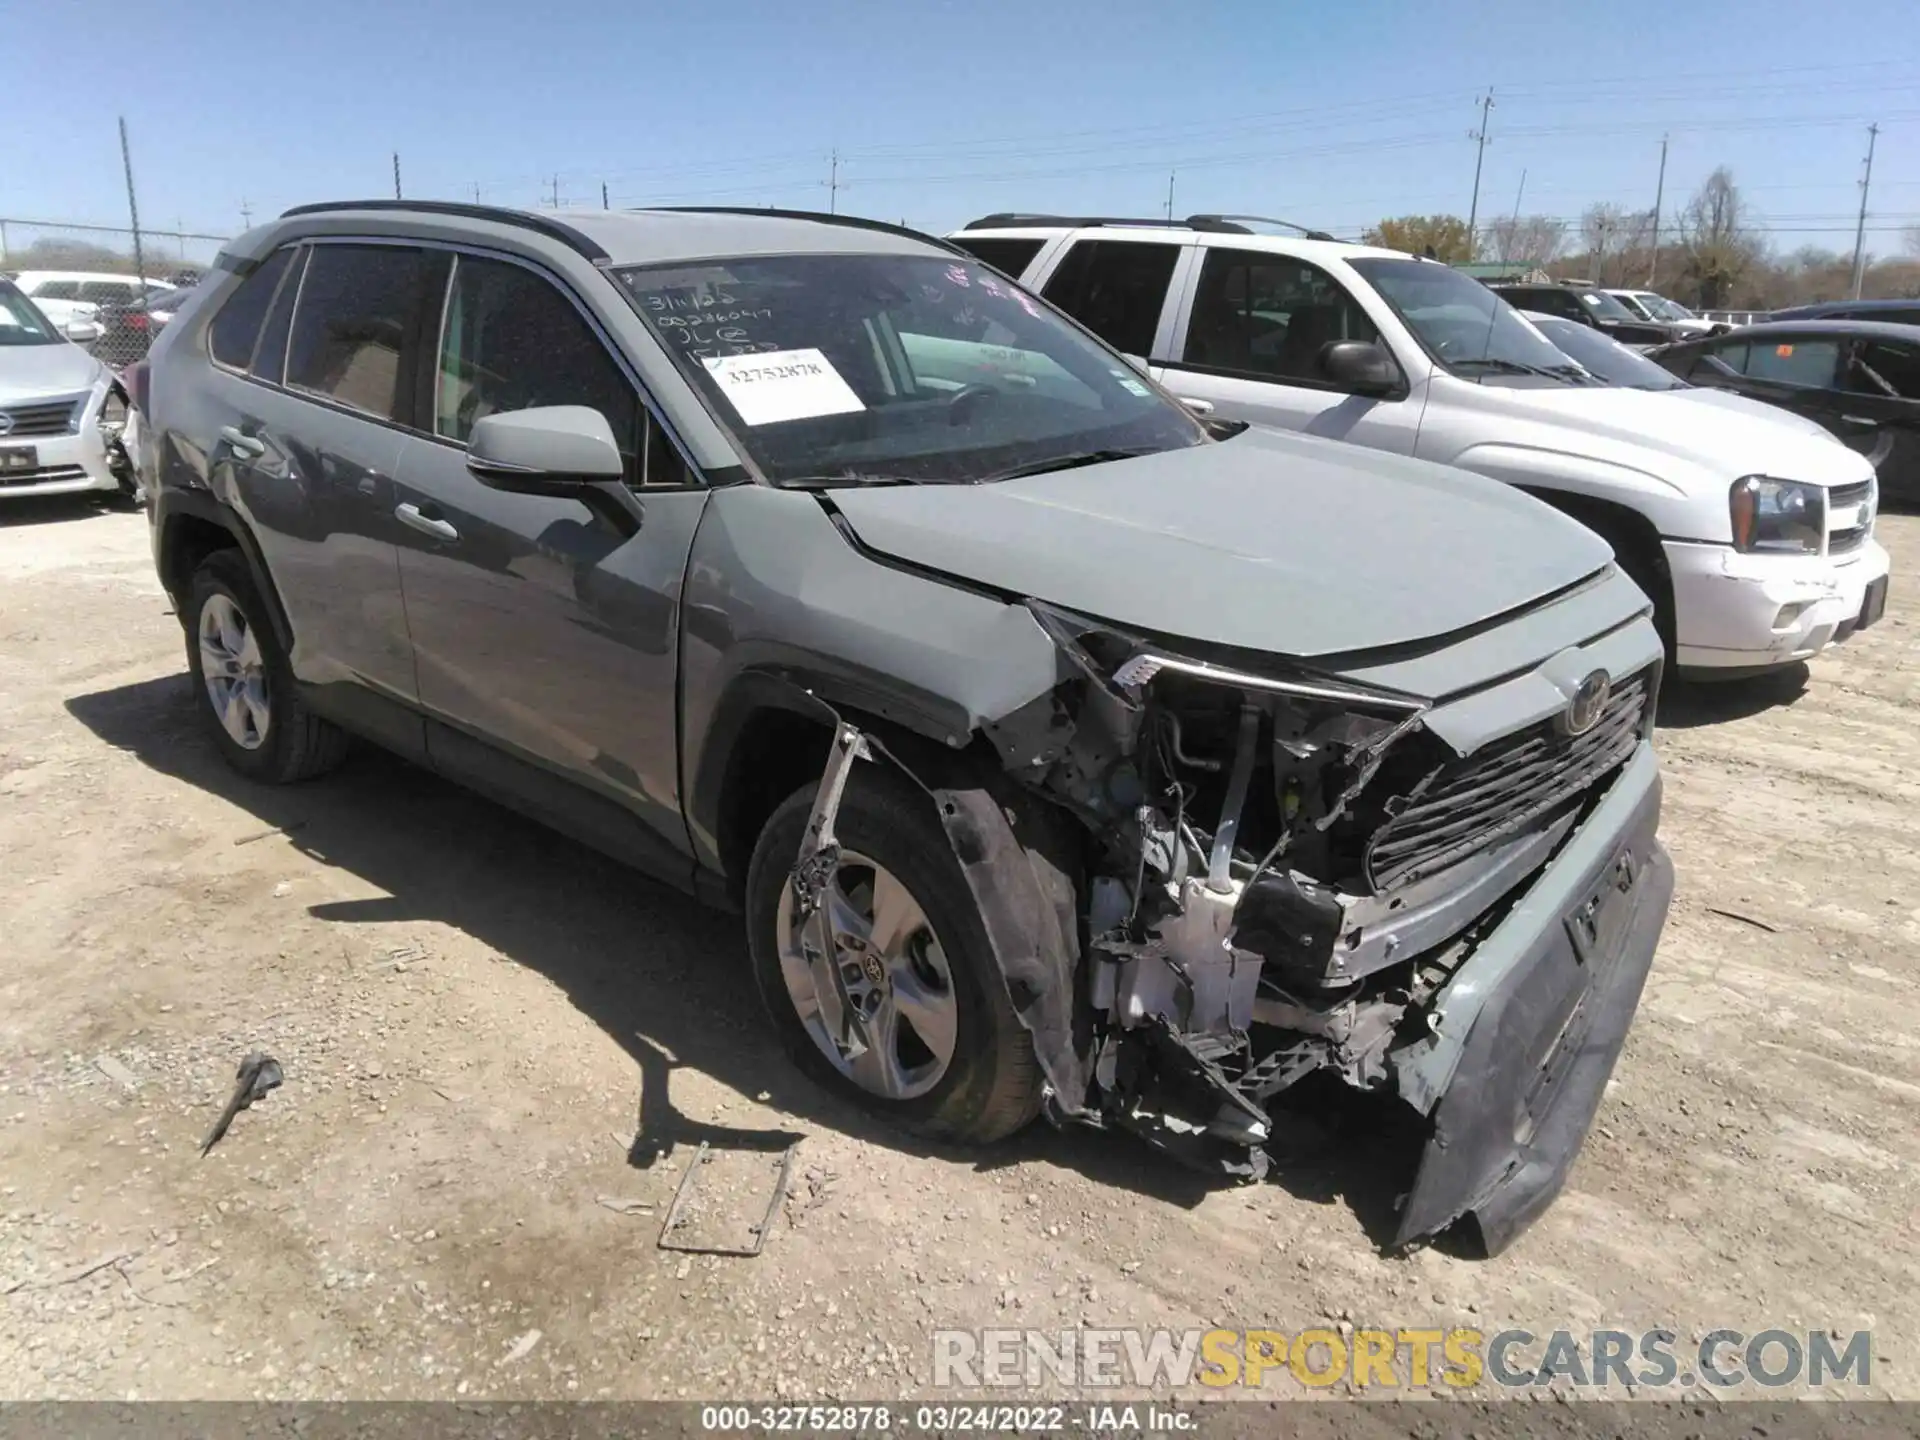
(1269, 316)
(510, 341)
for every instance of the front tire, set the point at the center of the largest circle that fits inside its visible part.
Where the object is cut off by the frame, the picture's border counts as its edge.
(244, 684)
(950, 1059)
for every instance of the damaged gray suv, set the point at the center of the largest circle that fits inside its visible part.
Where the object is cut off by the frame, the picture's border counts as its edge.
(1064, 753)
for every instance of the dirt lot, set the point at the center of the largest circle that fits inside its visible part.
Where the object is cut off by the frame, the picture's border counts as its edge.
(495, 1043)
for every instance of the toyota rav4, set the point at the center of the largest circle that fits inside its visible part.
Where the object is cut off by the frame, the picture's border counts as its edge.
(1063, 752)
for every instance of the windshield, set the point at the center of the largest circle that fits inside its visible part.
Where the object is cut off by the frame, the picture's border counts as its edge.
(1463, 324)
(21, 322)
(1668, 309)
(1644, 307)
(923, 368)
(1604, 356)
(1604, 305)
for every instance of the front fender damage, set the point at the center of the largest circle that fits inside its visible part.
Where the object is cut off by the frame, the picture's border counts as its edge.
(1206, 879)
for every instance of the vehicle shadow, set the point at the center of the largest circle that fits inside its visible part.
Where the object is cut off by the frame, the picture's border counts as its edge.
(1688, 704)
(52, 509)
(663, 975)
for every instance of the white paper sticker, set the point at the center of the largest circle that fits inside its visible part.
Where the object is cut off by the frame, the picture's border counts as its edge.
(782, 385)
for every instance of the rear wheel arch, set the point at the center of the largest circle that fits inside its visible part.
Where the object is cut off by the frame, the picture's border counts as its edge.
(193, 527)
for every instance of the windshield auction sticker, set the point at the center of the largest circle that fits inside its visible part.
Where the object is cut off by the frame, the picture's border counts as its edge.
(770, 387)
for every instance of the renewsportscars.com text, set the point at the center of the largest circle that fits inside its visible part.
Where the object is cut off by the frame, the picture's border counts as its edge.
(1458, 1358)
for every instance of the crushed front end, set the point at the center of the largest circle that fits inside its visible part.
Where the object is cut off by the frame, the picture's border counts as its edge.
(1290, 870)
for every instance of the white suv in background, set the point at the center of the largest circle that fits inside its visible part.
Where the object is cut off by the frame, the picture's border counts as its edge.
(1753, 538)
(1651, 305)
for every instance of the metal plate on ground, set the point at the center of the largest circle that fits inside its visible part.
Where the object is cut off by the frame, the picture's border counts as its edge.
(727, 1200)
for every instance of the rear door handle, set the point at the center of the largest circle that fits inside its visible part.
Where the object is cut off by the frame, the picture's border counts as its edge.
(242, 443)
(412, 515)
(1858, 420)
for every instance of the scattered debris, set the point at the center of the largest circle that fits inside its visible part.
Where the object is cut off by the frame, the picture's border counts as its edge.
(1743, 919)
(116, 1072)
(80, 1273)
(283, 889)
(520, 1348)
(286, 829)
(819, 1187)
(622, 1206)
(258, 1074)
(686, 1209)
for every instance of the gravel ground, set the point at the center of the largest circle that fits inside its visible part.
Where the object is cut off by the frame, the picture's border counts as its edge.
(501, 1052)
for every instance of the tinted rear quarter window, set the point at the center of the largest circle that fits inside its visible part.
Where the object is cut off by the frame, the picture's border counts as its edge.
(270, 351)
(1008, 255)
(1115, 288)
(235, 329)
(358, 325)
(1795, 362)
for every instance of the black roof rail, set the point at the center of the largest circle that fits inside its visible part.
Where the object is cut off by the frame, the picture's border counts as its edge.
(525, 219)
(1018, 220)
(1240, 222)
(857, 222)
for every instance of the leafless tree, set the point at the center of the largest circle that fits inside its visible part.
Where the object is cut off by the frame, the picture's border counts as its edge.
(1617, 238)
(1527, 240)
(1720, 246)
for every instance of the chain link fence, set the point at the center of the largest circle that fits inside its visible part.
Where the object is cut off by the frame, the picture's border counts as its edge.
(108, 286)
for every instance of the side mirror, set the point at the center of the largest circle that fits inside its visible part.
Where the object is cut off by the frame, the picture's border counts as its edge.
(555, 450)
(1361, 366)
(81, 331)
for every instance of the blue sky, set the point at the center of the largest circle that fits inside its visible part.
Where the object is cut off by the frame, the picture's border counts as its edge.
(1333, 113)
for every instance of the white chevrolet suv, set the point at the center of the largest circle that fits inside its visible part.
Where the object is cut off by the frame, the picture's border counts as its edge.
(1752, 536)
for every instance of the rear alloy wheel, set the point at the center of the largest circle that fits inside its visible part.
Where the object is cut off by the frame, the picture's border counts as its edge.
(244, 684)
(945, 1055)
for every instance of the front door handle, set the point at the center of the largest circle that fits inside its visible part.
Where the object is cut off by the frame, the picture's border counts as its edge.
(242, 443)
(413, 516)
(1858, 419)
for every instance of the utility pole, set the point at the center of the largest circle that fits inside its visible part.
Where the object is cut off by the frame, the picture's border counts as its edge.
(246, 216)
(476, 192)
(834, 187)
(1170, 175)
(1479, 137)
(1506, 249)
(1659, 198)
(603, 195)
(556, 191)
(396, 174)
(133, 208)
(1859, 234)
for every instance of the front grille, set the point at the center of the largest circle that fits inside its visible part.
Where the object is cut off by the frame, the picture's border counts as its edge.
(45, 475)
(41, 417)
(1469, 804)
(1849, 497)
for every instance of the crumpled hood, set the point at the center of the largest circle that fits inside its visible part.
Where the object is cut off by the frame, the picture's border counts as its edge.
(33, 372)
(1718, 443)
(1274, 542)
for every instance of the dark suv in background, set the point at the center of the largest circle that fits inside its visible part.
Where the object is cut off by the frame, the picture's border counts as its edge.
(1588, 306)
(1063, 752)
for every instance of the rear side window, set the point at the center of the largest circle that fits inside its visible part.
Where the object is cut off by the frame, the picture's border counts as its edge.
(270, 351)
(235, 329)
(56, 290)
(1269, 315)
(108, 292)
(357, 323)
(1008, 255)
(1115, 288)
(1880, 368)
(1795, 362)
(511, 341)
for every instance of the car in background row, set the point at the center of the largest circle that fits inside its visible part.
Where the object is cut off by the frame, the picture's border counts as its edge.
(75, 299)
(1889, 312)
(1585, 305)
(1651, 305)
(127, 330)
(1618, 364)
(1752, 536)
(1860, 379)
(60, 409)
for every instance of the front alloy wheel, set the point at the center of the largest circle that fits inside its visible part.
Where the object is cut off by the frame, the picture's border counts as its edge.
(234, 672)
(896, 977)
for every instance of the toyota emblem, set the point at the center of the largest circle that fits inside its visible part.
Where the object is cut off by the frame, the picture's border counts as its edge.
(6, 423)
(1587, 704)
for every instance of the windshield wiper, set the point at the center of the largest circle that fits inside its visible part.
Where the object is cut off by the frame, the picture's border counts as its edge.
(843, 479)
(1513, 367)
(1065, 462)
